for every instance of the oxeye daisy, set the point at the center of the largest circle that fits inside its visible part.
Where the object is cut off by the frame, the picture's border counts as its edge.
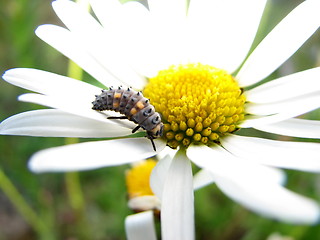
(190, 60)
(142, 200)
(140, 195)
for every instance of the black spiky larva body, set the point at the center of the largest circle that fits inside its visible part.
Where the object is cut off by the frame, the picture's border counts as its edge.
(134, 106)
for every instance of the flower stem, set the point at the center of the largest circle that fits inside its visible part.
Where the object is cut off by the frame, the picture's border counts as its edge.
(74, 192)
(23, 208)
(77, 203)
(72, 179)
(76, 199)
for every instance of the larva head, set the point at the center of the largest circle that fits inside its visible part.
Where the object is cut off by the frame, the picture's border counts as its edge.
(154, 126)
(157, 131)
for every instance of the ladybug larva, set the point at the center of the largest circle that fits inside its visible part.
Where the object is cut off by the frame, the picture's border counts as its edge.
(134, 107)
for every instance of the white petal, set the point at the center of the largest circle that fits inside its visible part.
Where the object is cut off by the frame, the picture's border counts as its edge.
(49, 83)
(285, 39)
(167, 42)
(68, 44)
(271, 200)
(67, 94)
(302, 104)
(144, 203)
(105, 48)
(55, 123)
(177, 211)
(302, 156)
(254, 186)
(167, 151)
(220, 162)
(140, 226)
(98, 62)
(159, 175)
(77, 106)
(146, 57)
(76, 18)
(202, 179)
(130, 27)
(81, 108)
(280, 111)
(217, 30)
(287, 87)
(92, 155)
(127, 26)
(106, 11)
(294, 127)
(117, 18)
(174, 11)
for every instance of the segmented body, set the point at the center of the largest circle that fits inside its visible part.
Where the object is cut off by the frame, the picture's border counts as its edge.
(134, 107)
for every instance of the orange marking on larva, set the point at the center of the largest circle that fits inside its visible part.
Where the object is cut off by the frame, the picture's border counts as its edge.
(133, 111)
(140, 105)
(117, 95)
(115, 104)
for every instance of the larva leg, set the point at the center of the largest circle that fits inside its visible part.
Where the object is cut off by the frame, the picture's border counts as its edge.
(135, 129)
(152, 142)
(120, 117)
(153, 145)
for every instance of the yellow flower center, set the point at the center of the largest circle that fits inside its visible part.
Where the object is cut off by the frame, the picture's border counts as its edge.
(198, 103)
(137, 179)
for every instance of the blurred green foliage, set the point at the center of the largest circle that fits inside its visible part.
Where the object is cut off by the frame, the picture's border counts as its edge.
(217, 217)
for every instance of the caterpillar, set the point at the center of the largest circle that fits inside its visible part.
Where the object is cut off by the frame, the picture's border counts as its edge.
(134, 106)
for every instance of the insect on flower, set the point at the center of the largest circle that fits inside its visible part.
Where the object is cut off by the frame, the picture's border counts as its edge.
(134, 107)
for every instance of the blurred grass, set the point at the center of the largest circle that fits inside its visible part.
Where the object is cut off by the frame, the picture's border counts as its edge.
(217, 217)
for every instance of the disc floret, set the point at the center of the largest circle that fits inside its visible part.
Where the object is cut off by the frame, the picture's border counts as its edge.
(198, 103)
(137, 179)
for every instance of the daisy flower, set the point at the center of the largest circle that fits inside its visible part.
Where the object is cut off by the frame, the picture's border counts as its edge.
(140, 195)
(142, 200)
(191, 61)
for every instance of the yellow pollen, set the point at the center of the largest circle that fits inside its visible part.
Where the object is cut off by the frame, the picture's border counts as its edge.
(198, 103)
(137, 179)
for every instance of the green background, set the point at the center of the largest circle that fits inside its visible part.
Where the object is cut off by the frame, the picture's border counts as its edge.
(100, 213)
